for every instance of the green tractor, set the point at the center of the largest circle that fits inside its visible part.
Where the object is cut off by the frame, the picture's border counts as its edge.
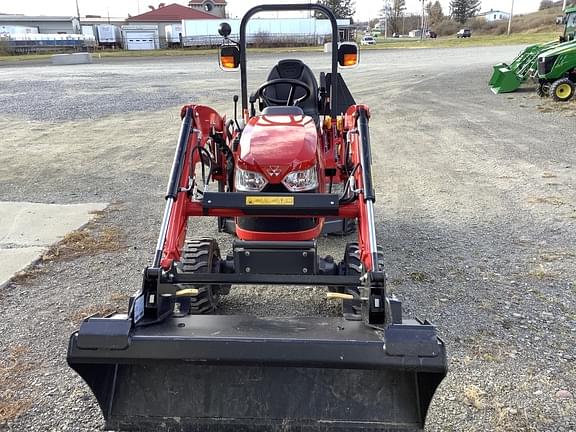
(557, 72)
(508, 78)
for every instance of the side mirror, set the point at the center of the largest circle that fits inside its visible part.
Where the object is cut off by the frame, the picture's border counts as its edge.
(348, 55)
(229, 57)
(224, 30)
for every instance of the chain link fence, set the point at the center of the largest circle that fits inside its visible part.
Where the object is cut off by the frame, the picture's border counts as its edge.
(259, 40)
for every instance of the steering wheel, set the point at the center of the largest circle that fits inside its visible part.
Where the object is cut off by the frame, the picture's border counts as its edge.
(293, 83)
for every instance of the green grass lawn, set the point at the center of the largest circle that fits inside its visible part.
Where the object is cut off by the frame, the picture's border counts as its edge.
(117, 53)
(157, 53)
(442, 42)
(454, 42)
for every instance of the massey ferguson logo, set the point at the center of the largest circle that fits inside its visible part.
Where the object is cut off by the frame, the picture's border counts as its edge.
(274, 170)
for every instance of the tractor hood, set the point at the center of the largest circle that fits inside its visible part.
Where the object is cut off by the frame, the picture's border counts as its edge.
(275, 145)
(563, 48)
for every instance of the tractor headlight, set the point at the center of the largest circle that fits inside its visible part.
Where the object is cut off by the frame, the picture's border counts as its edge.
(299, 181)
(249, 181)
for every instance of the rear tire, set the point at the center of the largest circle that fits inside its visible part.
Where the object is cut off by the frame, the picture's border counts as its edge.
(202, 256)
(562, 90)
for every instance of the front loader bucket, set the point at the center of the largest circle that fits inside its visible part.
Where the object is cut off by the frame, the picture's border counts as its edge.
(504, 80)
(230, 373)
(508, 78)
(496, 73)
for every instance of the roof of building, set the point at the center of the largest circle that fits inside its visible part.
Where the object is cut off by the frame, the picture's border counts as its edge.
(35, 18)
(172, 12)
(494, 11)
(199, 2)
(101, 19)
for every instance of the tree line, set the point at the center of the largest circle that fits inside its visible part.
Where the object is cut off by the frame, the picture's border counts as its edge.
(395, 11)
(547, 4)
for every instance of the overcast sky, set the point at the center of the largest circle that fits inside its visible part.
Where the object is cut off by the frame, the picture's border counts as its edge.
(365, 9)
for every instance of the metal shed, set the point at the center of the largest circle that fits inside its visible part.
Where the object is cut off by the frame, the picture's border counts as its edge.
(44, 24)
(164, 16)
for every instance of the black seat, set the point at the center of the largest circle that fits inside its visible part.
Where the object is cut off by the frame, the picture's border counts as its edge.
(295, 69)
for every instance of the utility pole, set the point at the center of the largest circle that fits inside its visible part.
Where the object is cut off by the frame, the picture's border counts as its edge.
(386, 12)
(78, 15)
(385, 27)
(511, 15)
(422, 27)
(564, 6)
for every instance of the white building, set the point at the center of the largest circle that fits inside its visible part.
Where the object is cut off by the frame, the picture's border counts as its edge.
(140, 37)
(495, 15)
(44, 24)
(215, 7)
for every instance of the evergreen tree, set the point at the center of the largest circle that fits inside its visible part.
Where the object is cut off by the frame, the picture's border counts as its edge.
(435, 13)
(341, 8)
(462, 10)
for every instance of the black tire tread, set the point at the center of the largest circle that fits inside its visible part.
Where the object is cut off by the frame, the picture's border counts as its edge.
(201, 256)
(558, 83)
(353, 264)
(541, 91)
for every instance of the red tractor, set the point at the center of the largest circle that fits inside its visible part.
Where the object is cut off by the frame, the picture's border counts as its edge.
(294, 164)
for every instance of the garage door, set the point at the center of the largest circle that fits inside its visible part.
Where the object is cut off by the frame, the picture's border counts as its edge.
(140, 40)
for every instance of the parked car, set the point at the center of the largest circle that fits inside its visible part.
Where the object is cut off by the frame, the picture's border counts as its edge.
(395, 35)
(431, 34)
(368, 40)
(464, 33)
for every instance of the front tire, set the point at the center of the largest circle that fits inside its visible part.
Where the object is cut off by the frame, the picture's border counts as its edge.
(352, 266)
(562, 90)
(202, 256)
(543, 90)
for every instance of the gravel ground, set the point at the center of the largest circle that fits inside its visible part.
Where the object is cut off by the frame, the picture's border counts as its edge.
(476, 211)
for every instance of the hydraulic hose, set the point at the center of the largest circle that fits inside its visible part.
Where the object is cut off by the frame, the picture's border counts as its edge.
(173, 184)
(366, 155)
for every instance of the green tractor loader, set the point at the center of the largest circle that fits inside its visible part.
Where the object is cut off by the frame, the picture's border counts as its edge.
(557, 72)
(508, 78)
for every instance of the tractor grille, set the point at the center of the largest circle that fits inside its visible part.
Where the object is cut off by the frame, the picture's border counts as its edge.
(278, 224)
(545, 64)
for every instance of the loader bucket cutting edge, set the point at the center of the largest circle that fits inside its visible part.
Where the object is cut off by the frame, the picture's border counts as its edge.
(228, 373)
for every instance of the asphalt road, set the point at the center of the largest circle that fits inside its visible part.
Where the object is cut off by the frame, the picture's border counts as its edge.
(476, 212)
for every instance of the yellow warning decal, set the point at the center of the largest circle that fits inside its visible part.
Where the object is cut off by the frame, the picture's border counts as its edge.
(270, 200)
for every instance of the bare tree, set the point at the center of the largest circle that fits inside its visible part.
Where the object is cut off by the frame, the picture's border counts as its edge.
(397, 15)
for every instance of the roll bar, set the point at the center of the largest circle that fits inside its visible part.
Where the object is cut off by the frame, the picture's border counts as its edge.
(288, 8)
